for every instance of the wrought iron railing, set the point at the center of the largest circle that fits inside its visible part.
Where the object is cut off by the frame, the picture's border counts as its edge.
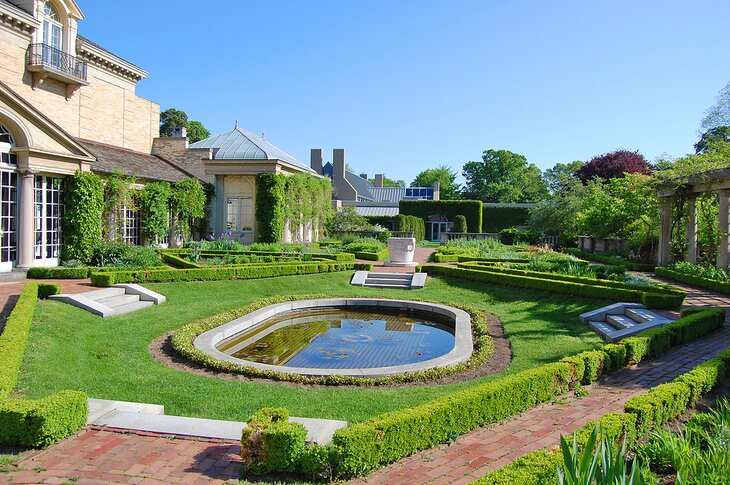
(47, 56)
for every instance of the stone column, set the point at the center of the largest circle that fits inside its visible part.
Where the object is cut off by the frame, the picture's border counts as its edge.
(723, 248)
(691, 231)
(26, 219)
(665, 230)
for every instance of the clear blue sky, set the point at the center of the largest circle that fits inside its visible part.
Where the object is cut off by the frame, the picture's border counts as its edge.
(408, 85)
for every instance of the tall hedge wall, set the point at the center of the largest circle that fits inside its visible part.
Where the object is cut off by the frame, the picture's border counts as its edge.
(497, 218)
(270, 206)
(471, 209)
(413, 224)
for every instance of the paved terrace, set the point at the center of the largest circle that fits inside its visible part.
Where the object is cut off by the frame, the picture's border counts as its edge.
(98, 455)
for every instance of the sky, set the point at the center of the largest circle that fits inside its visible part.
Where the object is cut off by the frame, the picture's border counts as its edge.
(406, 85)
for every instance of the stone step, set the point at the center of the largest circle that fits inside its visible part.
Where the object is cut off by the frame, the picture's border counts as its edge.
(371, 280)
(389, 285)
(602, 328)
(97, 295)
(615, 309)
(628, 332)
(391, 275)
(643, 315)
(620, 322)
(131, 307)
(118, 300)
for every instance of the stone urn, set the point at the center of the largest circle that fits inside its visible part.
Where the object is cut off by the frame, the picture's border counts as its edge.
(402, 250)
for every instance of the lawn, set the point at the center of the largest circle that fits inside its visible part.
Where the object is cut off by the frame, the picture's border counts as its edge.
(109, 358)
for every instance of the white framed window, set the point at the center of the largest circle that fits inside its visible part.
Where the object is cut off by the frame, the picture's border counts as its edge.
(7, 142)
(240, 213)
(48, 212)
(52, 35)
(131, 226)
(8, 219)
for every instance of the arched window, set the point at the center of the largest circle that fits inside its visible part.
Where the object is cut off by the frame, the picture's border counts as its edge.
(6, 143)
(52, 34)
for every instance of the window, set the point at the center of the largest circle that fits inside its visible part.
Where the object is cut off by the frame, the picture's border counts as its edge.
(239, 213)
(131, 226)
(6, 143)
(48, 213)
(419, 193)
(52, 38)
(8, 220)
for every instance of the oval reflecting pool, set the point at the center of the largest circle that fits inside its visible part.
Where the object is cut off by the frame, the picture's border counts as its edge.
(343, 339)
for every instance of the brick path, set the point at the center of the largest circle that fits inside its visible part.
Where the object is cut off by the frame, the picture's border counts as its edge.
(98, 455)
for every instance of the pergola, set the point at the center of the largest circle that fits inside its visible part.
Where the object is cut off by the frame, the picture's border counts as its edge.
(717, 181)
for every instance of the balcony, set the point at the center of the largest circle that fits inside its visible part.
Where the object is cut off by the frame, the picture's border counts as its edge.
(44, 61)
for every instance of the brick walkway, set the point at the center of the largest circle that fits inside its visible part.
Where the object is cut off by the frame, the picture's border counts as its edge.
(9, 293)
(97, 455)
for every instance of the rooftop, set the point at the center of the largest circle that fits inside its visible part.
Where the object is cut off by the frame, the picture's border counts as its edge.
(240, 144)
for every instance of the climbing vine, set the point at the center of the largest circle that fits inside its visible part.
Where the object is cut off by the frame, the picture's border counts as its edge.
(119, 194)
(83, 198)
(300, 198)
(154, 202)
(188, 203)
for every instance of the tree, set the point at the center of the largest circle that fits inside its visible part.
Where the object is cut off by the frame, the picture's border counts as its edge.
(390, 182)
(558, 216)
(171, 119)
(614, 165)
(503, 176)
(196, 131)
(446, 176)
(561, 175)
(718, 114)
(713, 135)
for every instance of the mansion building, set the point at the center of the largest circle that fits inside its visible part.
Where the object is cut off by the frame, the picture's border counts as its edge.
(67, 105)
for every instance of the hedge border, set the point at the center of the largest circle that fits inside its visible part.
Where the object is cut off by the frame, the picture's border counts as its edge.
(76, 272)
(253, 271)
(642, 414)
(602, 258)
(182, 342)
(714, 285)
(661, 299)
(36, 423)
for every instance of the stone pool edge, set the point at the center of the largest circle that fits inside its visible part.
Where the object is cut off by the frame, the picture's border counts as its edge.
(462, 351)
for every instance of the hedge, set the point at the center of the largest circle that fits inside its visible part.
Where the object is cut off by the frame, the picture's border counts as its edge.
(413, 224)
(219, 253)
(658, 298)
(270, 206)
(714, 285)
(77, 272)
(381, 255)
(368, 445)
(461, 258)
(44, 421)
(365, 446)
(471, 209)
(641, 415)
(494, 219)
(177, 261)
(32, 423)
(612, 260)
(252, 271)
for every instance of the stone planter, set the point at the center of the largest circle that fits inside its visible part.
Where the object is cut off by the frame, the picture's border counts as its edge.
(402, 250)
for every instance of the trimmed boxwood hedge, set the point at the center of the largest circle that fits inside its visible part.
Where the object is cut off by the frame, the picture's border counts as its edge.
(251, 271)
(77, 272)
(471, 209)
(381, 255)
(494, 219)
(641, 415)
(366, 446)
(177, 261)
(612, 260)
(714, 285)
(658, 298)
(32, 423)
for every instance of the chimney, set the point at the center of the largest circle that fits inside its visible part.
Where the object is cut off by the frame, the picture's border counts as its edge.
(437, 190)
(315, 157)
(338, 164)
(364, 176)
(180, 132)
(379, 177)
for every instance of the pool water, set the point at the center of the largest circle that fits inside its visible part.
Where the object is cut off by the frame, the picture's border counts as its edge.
(342, 339)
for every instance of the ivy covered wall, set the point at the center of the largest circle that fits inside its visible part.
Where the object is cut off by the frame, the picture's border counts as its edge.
(291, 207)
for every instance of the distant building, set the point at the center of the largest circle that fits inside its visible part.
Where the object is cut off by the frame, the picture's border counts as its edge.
(369, 199)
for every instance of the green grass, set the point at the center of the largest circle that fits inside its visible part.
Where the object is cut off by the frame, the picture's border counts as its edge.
(109, 358)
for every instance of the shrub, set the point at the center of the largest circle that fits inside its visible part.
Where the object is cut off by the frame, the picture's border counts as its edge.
(42, 422)
(535, 468)
(14, 338)
(593, 365)
(47, 289)
(459, 224)
(693, 279)
(616, 356)
(497, 218)
(118, 254)
(270, 443)
(62, 272)
(612, 260)
(413, 224)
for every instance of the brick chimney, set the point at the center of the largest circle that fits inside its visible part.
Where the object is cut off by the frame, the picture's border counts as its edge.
(437, 190)
(338, 164)
(315, 160)
(379, 177)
